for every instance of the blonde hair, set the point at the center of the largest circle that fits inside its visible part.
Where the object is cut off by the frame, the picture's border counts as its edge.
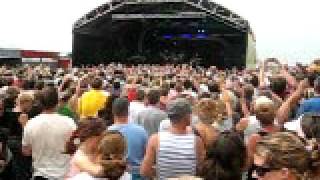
(210, 111)
(25, 97)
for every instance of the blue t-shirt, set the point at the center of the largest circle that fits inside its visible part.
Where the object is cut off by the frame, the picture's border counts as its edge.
(309, 106)
(136, 137)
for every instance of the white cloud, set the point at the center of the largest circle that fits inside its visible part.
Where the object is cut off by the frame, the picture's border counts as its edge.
(288, 29)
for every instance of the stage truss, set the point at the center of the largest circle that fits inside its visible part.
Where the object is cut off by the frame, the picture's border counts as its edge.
(207, 8)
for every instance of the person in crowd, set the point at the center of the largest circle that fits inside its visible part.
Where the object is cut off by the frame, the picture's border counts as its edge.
(6, 165)
(136, 136)
(81, 87)
(312, 104)
(265, 114)
(226, 157)
(111, 157)
(44, 139)
(82, 145)
(151, 117)
(283, 155)
(136, 106)
(207, 112)
(106, 112)
(310, 125)
(5, 117)
(22, 165)
(164, 148)
(164, 96)
(26, 107)
(92, 101)
(63, 106)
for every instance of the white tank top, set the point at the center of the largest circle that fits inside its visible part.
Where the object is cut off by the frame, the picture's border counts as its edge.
(176, 156)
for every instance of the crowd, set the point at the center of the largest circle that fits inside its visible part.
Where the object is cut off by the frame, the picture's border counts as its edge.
(160, 122)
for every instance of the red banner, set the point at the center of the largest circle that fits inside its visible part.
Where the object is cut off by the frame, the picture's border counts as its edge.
(39, 54)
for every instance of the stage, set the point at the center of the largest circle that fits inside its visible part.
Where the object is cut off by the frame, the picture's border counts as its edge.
(161, 32)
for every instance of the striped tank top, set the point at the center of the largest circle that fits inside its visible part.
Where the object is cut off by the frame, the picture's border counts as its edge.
(176, 156)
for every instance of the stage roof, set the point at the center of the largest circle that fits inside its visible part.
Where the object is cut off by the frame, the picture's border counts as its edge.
(125, 10)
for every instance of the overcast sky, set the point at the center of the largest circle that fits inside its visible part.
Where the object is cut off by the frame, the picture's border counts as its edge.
(288, 29)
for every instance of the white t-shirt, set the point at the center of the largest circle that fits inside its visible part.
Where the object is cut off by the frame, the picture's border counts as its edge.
(253, 127)
(47, 135)
(295, 126)
(134, 109)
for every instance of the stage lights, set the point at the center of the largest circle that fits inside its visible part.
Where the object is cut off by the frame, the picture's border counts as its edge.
(200, 34)
(167, 36)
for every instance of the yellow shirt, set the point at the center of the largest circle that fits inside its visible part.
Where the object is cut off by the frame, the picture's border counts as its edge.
(91, 103)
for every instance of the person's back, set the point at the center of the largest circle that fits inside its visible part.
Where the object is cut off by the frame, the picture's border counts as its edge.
(136, 138)
(176, 155)
(150, 119)
(311, 105)
(135, 108)
(177, 152)
(92, 101)
(47, 134)
(45, 137)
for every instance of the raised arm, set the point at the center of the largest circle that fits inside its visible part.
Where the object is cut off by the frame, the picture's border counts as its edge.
(284, 110)
(290, 79)
(227, 100)
(262, 82)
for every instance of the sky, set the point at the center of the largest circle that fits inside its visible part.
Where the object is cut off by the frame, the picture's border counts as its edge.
(286, 29)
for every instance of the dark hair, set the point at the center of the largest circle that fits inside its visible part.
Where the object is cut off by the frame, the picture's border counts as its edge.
(96, 83)
(39, 85)
(29, 84)
(49, 98)
(106, 112)
(214, 87)
(164, 91)
(88, 128)
(279, 85)
(316, 84)
(140, 94)
(120, 107)
(188, 84)
(4, 133)
(225, 158)
(153, 96)
(254, 81)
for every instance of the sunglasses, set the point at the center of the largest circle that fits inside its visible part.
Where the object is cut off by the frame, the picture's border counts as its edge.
(261, 171)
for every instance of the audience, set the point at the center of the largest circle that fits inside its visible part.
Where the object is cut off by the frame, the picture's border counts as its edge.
(159, 121)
